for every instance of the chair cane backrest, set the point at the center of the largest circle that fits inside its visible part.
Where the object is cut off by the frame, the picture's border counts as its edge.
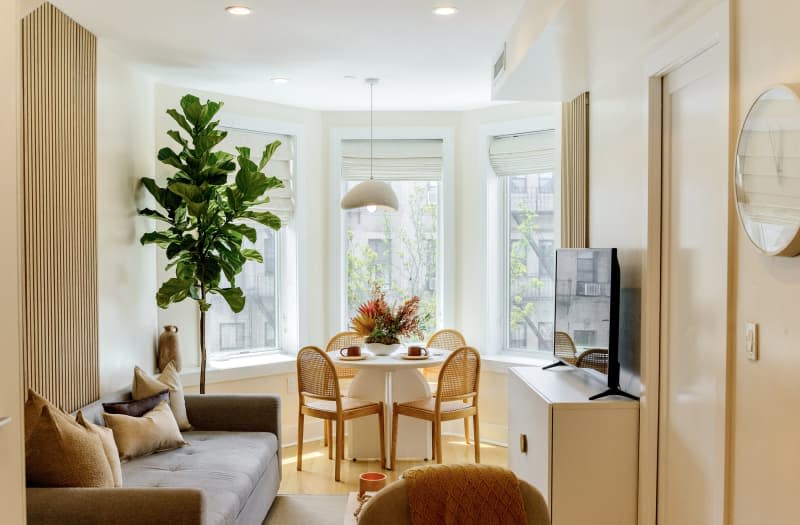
(343, 340)
(565, 347)
(459, 376)
(316, 375)
(596, 358)
(447, 339)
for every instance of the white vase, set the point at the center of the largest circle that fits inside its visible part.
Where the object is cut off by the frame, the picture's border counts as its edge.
(382, 349)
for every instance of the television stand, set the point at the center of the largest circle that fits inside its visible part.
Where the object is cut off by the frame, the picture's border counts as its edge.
(613, 392)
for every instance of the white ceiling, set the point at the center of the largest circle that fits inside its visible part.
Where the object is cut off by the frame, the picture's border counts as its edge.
(425, 62)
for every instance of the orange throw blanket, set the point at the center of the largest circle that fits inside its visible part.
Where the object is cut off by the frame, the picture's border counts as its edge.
(464, 495)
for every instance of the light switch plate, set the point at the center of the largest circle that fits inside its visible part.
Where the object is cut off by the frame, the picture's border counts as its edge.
(751, 341)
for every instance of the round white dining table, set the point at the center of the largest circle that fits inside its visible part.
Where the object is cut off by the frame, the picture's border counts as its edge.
(390, 379)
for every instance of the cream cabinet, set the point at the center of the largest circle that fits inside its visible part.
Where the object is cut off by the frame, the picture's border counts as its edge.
(582, 455)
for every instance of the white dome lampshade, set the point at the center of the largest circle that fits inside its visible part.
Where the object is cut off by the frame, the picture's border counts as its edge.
(371, 193)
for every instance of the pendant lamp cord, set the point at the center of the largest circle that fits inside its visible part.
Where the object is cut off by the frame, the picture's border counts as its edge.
(371, 88)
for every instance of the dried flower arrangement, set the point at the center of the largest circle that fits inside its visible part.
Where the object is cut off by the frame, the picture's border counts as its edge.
(378, 322)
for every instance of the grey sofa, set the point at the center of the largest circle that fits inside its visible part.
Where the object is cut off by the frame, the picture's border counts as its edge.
(229, 474)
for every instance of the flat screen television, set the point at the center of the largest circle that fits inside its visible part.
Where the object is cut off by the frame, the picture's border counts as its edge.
(587, 314)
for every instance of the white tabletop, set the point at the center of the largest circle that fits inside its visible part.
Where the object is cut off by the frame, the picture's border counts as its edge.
(392, 362)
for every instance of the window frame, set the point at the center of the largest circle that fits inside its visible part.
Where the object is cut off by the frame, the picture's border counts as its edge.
(495, 214)
(288, 250)
(445, 268)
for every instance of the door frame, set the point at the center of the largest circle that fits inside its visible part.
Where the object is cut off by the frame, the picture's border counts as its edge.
(710, 30)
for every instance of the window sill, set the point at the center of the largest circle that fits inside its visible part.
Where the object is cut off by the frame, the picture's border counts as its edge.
(500, 363)
(242, 367)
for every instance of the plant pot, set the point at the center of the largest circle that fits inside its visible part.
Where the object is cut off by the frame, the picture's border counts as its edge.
(382, 349)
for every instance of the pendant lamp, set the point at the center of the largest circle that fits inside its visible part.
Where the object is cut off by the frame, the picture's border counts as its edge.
(371, 194)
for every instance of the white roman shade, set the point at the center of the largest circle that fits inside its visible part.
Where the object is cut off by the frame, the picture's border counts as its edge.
(281, 165)
(523, 154)
(395, 159)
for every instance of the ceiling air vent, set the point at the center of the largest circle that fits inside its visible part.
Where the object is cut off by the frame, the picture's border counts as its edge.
(499, 64)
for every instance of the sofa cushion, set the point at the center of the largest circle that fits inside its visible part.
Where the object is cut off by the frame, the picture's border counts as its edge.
(227, 466)
(155, 431)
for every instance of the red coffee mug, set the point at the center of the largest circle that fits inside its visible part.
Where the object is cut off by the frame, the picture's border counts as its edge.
(416, 351)
(350, 351)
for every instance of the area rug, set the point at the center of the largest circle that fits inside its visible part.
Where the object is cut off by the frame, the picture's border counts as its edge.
(301, 509)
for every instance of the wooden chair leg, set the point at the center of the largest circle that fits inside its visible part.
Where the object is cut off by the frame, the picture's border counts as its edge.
(300, 419)
(433, 441)
(438, 425)
(325, 426)
(477, 438)
(339, 448)
(395, 417)
(330, 438)
(382, 435)
(466, 430)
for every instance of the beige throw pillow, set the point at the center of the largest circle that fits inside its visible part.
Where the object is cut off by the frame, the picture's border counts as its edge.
(106, 436)
(145, 385)
(61, 453)
(153, 432)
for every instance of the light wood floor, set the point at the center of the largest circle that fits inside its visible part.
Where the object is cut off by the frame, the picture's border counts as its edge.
(317, 474)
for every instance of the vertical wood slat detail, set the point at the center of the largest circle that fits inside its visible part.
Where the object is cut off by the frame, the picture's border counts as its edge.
(575, 173)
(61, 354)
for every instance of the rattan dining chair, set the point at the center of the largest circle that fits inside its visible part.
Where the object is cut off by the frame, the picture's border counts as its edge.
(595, 358)
(565, 348)
(456, 398)
(337, 342)
(320, 397)
(446, 339)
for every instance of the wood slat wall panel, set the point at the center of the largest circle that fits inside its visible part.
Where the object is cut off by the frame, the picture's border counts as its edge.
(61, 354)
(575, 173)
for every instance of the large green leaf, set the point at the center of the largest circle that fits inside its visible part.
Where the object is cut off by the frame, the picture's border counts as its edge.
(252, 255)
(233, 296)
(176, 136)
(161, 238)
(192, 108)
(189, 192)
(153, 214)
(170, 158)
(266, 218)
(173, 291)
(269, 150)
(242, 229)
(181, 120)
(252, 184)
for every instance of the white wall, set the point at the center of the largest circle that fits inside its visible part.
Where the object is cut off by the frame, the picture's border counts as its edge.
(12, 464)
(126, 269)
(765, 456)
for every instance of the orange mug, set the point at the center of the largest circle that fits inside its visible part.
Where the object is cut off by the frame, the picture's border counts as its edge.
(416, 351)
(350, 351)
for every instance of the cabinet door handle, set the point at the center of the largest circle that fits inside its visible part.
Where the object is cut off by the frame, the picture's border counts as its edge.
(523, 443)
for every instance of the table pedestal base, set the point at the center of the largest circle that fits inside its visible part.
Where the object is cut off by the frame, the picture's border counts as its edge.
(414, 436)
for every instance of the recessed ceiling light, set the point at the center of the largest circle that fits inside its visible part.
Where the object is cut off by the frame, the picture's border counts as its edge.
(279, 80)
(239, 10)
(445, 10)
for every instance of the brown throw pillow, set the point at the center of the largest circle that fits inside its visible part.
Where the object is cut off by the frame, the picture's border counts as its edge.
(33, 410)
(153, 432)
(137, 407)
(106, 436)
(145, 385)
(61, 453)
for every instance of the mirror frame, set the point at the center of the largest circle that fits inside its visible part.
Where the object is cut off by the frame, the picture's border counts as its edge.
(792, 247)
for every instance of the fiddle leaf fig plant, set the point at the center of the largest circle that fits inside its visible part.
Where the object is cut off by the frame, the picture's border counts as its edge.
(207, 217)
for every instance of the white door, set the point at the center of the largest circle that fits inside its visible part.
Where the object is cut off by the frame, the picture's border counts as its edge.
(691, 469)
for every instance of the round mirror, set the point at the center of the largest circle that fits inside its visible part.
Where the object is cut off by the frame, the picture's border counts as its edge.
(768, 172)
